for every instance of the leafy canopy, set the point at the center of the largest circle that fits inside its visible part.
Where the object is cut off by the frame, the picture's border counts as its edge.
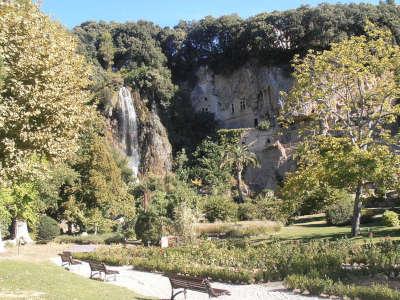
(43, 95)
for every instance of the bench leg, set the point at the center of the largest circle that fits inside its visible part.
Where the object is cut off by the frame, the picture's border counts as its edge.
(185, 293)
(174, 295)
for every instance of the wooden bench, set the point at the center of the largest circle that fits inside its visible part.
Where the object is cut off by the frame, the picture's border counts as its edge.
(195, 284)
(97, 268)
(67, 260)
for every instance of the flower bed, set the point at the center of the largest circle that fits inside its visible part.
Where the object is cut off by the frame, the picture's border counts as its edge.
(246, 263)
(327, 287)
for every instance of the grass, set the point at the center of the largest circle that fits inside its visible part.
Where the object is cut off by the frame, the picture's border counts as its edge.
(314, 227)
(106, 238)
(21, 279)
(238, 229)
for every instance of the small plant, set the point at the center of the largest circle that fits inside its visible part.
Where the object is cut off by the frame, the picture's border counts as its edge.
(219, 208)
(186, 219)
(105, 238)
(317, 286)
(47, 229)
(264, 125)
(390, 218)
(248, 211)
(148, 228)
(340, 211)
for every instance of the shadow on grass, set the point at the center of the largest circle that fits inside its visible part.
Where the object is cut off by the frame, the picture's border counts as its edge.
(311, 218)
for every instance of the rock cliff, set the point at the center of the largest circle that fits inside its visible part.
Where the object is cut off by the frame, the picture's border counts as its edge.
(150, 139)
(244, 99)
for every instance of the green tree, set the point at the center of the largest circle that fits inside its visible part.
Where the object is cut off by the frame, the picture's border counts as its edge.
(42, 100)
(106, 50)
(102, 185)
(210, 167)
(351, 91)
(239, 157)
(22, 202)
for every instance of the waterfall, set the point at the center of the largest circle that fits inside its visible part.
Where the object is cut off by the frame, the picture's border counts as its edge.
(129, 129)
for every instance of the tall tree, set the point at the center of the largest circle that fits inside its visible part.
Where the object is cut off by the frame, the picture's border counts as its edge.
(42, 100)
(106, 50)
(350, 91)
(240, 157)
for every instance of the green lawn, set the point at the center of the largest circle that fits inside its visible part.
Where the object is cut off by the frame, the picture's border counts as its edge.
(314, 227)
(19, 279)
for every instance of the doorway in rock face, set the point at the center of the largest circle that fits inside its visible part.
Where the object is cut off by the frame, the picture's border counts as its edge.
(255, 122)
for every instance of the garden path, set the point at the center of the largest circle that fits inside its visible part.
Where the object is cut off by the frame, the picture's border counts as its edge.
(158, 286)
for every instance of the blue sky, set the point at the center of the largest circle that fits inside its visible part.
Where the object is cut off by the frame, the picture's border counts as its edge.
(163, 12)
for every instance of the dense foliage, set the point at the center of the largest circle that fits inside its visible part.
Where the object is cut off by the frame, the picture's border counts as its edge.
(246, 262)
(390, 218)
(47, 229)
(319, 286)
(44, 90)
(340, 211)
(349, 96)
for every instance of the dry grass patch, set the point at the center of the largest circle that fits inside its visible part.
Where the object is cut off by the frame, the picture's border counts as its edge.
(238, 229)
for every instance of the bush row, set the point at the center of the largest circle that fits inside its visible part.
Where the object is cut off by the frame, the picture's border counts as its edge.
(246, 262)
(318, 286)
(106, 238)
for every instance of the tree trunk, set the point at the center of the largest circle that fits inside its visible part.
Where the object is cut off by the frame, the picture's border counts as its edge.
(355, 225)
(239, 186)
(21, 233)
(69, 227)
(2, 249)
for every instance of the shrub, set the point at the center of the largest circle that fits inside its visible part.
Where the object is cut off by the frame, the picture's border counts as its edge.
(47, 229)
(390, 218)
(264, 125)
(247, 211)
(250, 261)
(219, 208)
(148, 228)
(185, 222)
(340, 211)
(106, 238)
(317, 286)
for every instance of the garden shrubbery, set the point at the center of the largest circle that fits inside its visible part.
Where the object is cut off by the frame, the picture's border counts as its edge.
(47, 229)
(264, 207)
(148, 228)
(238, 229)
(340, 211)
(219, 208)
(390, 218)
(106, 238)
(317, 286)
(247, 262)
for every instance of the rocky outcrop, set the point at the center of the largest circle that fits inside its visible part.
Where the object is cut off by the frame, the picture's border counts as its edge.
(155, 148)
(243, 98)
(274, 152)
(150, 138)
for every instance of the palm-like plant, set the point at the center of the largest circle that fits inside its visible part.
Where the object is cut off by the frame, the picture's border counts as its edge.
(239, 157)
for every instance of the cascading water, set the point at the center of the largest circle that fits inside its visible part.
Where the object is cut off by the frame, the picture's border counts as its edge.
(129, 129)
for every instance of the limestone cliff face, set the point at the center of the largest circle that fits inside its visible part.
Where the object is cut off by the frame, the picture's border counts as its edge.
(243, 99)
(154, 148)
(274, 152)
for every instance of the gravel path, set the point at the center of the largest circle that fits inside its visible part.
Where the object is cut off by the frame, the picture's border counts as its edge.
(158, 286)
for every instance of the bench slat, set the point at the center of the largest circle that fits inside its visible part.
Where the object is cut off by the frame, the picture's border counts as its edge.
(195, 284)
